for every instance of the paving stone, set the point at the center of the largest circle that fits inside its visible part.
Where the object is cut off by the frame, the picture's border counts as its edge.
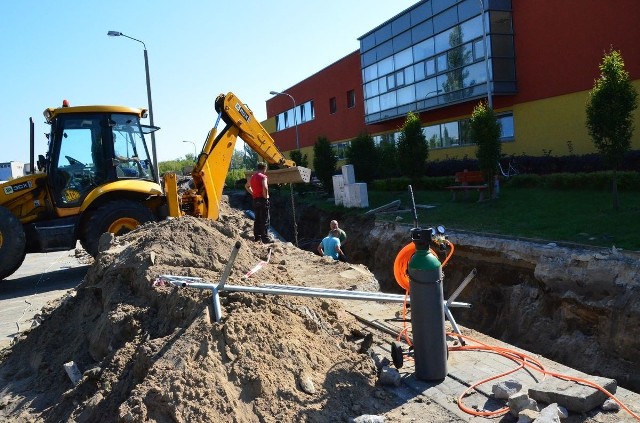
(571, 395)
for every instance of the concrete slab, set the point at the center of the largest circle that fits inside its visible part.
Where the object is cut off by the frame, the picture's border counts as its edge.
(573, 396)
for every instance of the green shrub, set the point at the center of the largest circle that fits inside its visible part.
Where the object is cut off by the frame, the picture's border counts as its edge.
(390, 184)
(233, 176)
(401, 184)
(627, 181)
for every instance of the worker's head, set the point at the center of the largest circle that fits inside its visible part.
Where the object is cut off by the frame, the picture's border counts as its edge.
(335, 233)
(333, 224)
(261, 166)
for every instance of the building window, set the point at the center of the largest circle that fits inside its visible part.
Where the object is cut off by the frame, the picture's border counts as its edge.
(506, 123)
(454, 133)
(351, 99)
(447, 49)
(333, 106)
(289, 118)
(340, 150)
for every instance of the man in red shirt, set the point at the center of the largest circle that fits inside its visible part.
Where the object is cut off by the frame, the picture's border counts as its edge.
(259, 189)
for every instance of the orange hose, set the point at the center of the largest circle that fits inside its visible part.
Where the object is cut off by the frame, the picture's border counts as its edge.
(401, 263)
(524, 361)
(400, 267)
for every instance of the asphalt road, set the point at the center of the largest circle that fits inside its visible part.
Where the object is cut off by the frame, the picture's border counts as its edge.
(40, 279)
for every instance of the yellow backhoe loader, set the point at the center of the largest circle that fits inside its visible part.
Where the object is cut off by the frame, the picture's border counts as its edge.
(97, 177)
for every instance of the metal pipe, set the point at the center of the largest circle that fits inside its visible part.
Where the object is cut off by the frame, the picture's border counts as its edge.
(195, 151)
(32, 170)
(413, 208)
(302, 291)
(295, 113)
(464, 283)
(486, 56)
(150, 104)
(454, 325)
(227, 268)
(217, 308)
(153, 133)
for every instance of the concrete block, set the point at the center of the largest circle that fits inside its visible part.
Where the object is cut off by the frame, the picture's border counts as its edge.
(506, 388)
(549, 414)
(389, 376)
(349, 175)
(73, 372)
(361, 194)
(355, 195)
(528, 416)
(571, 395)
(338, 189)
(348, 197)
(610, 405)
(521, 401)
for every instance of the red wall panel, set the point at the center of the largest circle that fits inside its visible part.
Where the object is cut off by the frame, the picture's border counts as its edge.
(559, 44)
(333, 81)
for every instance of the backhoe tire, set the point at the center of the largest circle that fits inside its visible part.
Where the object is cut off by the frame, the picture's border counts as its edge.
(117, 217)
(12, 243)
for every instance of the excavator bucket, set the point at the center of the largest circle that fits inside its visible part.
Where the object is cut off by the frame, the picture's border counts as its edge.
(289, 175)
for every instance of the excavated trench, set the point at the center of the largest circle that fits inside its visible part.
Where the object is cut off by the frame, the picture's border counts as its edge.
(577, 306)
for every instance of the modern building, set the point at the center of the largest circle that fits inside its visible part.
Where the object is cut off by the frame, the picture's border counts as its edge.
(11, 170)
(534, 62)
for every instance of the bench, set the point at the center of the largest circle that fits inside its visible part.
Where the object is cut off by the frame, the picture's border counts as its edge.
(468, 181)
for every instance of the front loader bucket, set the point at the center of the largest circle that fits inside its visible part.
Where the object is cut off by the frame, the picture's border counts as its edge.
(290, 175)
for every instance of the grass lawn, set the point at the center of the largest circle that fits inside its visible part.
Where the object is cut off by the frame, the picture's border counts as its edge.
(575, 216)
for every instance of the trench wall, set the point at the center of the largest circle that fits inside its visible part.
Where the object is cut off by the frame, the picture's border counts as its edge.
(577, 306)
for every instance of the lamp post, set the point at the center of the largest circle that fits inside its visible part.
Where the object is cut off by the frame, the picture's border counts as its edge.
(295, 118)
(146, 68)
(195, 158)
(486, 56)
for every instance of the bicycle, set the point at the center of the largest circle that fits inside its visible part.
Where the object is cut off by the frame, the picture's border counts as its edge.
(510, 169)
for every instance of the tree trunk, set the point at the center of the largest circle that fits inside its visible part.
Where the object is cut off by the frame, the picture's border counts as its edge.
(614, 190)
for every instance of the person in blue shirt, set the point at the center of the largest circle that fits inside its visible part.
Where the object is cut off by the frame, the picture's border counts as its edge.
(330, 245)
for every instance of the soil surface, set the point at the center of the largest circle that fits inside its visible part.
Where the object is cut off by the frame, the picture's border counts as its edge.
(148, 351)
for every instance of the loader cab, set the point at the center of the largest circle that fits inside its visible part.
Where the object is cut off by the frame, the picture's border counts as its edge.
(90, 146)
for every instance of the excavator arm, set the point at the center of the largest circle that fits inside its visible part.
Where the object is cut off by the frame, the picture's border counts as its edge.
(237, 115)
(212, 166)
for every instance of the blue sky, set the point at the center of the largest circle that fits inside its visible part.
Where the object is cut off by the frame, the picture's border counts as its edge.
(197, 49)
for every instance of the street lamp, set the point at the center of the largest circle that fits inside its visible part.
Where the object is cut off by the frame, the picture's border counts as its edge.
(194, 150)
(146, 68)
(486, 56)
(295, 118)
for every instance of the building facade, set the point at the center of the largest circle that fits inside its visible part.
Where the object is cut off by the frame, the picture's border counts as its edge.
(11, 170)
(534, 62)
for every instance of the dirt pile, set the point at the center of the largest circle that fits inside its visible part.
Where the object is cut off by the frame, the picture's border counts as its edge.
(149, 352)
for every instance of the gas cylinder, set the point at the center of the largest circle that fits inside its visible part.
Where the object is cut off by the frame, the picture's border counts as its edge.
(427, 309)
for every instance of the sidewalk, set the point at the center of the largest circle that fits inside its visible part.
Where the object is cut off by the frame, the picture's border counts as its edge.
(43, 277)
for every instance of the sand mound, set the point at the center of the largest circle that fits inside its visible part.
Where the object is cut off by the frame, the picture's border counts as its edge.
(150, 352)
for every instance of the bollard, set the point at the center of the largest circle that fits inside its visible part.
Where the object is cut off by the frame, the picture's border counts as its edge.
(427, 309)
